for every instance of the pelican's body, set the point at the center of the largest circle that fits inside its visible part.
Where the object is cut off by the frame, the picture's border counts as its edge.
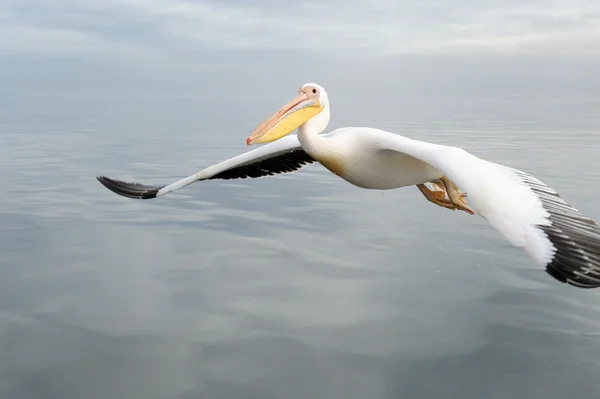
(528, 213)
(355, 154)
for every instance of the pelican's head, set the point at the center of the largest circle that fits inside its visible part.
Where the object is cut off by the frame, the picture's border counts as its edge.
(310, 108)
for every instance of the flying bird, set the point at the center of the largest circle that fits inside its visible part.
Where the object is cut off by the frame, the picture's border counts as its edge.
(527, 212)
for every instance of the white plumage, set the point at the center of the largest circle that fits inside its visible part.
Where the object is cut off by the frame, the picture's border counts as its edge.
(529, 214)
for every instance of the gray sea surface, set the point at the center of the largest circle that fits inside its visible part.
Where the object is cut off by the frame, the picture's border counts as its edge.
(296, 286)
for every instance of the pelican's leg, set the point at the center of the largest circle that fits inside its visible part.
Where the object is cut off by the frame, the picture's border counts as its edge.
(440, 183)
(437, 197)
(456, 197)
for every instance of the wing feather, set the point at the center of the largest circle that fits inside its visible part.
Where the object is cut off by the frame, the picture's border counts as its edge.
(283, 156)
(526, 211)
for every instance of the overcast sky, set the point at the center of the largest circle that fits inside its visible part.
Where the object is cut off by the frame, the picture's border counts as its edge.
(327, 39)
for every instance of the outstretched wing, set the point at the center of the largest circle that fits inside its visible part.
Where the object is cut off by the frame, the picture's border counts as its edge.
(527, 212)
(282, 156)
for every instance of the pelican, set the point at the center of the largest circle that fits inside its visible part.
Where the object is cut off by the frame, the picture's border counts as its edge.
(527, 212)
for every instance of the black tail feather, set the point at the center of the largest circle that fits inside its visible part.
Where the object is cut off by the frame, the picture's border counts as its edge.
(129, 190)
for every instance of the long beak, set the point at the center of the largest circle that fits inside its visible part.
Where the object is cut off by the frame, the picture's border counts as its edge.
(287, 119)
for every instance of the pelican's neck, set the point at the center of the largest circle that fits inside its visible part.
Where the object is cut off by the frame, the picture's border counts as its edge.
(309, 132)
(309, 138)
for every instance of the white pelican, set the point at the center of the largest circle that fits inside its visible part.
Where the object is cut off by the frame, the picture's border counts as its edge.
(528, 213)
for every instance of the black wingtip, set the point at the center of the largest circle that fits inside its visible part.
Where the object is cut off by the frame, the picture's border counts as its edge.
(577, 244)
(579, 281)
(574, 264)
(576, 240)
(129, 190)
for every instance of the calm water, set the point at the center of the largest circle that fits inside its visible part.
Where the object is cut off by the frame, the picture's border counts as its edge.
(298, 286)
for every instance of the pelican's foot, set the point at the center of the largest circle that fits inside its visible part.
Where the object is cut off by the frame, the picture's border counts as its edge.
(437, 197)
(457, 198)
(461, 196)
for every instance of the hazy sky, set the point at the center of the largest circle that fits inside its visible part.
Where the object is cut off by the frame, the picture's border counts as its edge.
(329, 39)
